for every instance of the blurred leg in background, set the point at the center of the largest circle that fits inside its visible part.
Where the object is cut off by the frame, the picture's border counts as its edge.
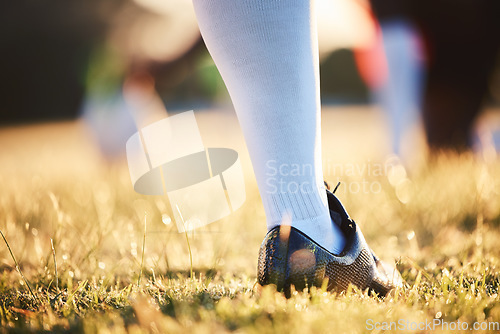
(401, 94)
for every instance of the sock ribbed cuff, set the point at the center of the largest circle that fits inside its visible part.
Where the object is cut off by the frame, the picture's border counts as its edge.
(297, 206)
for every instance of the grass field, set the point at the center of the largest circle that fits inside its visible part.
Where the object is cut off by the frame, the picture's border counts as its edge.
(105, 274)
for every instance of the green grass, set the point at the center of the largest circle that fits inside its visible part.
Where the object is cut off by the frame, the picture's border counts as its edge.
(445, 240)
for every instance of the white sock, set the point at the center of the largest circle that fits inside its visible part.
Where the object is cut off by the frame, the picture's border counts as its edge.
(266, 52)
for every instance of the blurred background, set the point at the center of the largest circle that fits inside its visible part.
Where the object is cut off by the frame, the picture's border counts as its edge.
(105, 60)
(55, 54)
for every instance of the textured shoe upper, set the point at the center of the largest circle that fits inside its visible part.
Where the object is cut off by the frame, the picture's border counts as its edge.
(289, 257)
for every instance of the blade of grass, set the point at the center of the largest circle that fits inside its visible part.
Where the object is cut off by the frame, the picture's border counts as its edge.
(187, 240)
(18, 268)
(55, 263)
(143, 247)
(72, 295)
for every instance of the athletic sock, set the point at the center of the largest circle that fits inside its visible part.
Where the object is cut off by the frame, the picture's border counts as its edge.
(266, 52)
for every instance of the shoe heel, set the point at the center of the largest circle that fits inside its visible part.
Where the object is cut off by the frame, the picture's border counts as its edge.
(273, 258)
(286, 260)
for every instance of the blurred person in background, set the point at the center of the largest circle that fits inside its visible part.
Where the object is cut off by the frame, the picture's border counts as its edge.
(460, 42)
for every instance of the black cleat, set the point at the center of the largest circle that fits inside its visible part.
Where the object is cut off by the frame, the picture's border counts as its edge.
(289, 257)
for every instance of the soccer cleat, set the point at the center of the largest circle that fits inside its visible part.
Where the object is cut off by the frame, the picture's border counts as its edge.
(289, 258)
